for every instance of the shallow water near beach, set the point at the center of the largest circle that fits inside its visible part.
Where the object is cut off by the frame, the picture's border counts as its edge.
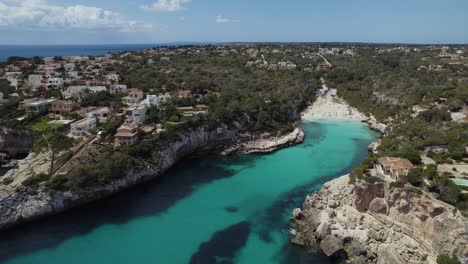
(214, 210)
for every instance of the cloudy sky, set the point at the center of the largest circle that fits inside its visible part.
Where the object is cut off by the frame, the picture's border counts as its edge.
(158, 21)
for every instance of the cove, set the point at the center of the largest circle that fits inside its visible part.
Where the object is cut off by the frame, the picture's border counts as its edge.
(214, 210)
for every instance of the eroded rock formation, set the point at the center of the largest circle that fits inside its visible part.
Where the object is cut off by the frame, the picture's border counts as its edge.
(377, 223)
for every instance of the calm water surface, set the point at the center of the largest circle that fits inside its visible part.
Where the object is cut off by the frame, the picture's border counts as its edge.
(28, 51)
(214, 210)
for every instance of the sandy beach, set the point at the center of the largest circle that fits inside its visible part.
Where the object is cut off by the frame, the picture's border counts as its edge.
(329, 106)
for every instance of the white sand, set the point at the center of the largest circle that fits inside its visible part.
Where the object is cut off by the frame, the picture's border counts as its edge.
(329, 106)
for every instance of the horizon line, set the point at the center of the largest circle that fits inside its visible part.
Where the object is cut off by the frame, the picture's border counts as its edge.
(243, 42)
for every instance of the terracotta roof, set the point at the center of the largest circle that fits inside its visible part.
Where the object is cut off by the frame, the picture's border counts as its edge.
(395, 163)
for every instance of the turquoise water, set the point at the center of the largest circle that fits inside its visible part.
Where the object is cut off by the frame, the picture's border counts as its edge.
(214, 210)
(460, 182)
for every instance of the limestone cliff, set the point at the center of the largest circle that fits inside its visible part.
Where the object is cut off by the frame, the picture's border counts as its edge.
(14, 142)
(377, 223)
(19, 203)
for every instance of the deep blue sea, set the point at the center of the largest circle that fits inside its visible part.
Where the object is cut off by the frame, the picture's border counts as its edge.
(72, 50)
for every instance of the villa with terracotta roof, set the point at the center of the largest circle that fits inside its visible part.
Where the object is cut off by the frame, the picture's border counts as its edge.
(396, 168)
(126, 134)
(62, 107)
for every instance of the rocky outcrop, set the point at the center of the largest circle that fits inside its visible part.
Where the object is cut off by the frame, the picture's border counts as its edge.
(377, 223)
(19, 203)
(14, 142)
(267, 145)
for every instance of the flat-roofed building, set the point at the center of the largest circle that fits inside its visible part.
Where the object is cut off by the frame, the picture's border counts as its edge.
(36, 106)
(83, 127)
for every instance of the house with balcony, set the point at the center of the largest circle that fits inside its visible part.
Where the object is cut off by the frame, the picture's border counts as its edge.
(118, 89)
(35, 106)
(84, 127)
(62, 107)
(54, 83)
(101, 113)
(134, 97)
(136, 114)
(126, 134)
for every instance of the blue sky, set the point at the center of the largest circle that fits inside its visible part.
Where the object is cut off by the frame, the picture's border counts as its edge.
(158, 21)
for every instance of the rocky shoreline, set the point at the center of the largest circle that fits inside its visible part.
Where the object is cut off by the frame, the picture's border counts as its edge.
(378, 223)
(19, 204)
(266, 145)
(374, 223)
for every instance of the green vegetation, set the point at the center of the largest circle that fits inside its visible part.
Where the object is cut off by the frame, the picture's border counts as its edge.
(105, 167)
(53, 134)
(258, 99)
(35, 180)
(444, 259)
(448, 191)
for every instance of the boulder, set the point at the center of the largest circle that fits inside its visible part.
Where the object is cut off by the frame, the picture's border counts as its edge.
(331, 245)
(378, 206)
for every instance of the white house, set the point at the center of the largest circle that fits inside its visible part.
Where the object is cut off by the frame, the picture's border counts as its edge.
(13, 78)
(73, 75)
(55, 83)
(102, 113)
(34, 81)
(118, 89)
(136, 114)
(69, 66)
(73, 91)
(83, 127)
(112, 77)
(155, 100)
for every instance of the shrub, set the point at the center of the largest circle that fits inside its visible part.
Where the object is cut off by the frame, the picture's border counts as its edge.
(35, 180)
(397, 184)
(449, 192)
(7, 181)
(415, 176)
(444, 259)
(372, 179)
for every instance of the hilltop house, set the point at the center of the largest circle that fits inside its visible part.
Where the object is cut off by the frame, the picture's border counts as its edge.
(62, 107)
(136, 114)
(126, 134)
(74, 91)
(155, 100)
(193, 110)
(34, 81)
(134, 97)
(396, 168)
(102, 113)
(118, 89)
(83, 127)
(73, 74)
(35, 106)
(54, 83)
(112, 78)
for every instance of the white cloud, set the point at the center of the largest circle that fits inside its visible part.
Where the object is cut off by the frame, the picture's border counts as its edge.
(33, 14)
(166, 5)
(222, 20)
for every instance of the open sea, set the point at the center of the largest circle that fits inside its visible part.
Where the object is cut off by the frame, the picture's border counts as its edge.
(214, 210)
(73, 50)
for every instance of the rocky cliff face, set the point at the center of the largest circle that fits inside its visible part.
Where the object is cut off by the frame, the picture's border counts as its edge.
(14, 142)
(376, 223)
(19, 204)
